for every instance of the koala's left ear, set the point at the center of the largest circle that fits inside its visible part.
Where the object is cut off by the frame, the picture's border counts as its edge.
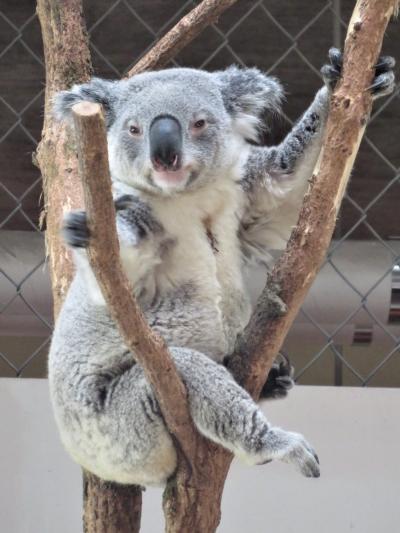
(104, 92)
(247, 94)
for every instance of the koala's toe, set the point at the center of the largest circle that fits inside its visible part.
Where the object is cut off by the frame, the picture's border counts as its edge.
(306, 459)
(385, 63)
(383, 84)
(330, 75)
(310, 467)
(336, 58)
(75, 230)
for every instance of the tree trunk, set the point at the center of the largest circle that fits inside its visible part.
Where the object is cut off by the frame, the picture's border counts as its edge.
(193, 502)
(67, 56)
(110, 508)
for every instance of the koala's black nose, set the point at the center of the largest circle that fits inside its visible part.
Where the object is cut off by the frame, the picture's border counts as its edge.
(166, 143)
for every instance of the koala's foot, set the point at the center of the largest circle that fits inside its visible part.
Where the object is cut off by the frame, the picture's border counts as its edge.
(75, 229)
(383, 83)
(290, 448)
(279, 380)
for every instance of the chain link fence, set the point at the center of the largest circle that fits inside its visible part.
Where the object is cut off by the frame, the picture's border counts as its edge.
(348, 332)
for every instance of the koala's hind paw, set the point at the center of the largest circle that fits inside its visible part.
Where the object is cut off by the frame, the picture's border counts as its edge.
(291, 448)
(75, 230)
(279, 380)
(383, 83)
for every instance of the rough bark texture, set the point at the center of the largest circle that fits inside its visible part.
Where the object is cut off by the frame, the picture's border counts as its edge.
(67, 57)
(111, 508)
(181, 34)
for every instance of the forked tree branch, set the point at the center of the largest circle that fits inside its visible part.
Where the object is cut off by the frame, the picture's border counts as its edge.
(297, 268)
(189, 505)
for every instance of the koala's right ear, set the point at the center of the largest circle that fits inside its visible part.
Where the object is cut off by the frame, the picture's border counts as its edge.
(104, 92)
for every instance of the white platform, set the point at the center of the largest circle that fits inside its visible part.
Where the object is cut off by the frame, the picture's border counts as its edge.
(355, 431)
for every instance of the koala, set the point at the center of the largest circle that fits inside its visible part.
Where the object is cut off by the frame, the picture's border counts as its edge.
(197, 201)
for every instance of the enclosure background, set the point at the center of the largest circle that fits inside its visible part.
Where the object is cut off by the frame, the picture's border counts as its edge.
(348, 331)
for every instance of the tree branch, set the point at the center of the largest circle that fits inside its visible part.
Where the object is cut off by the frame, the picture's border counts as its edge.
(67, 57)
(148, 348)
(297, 268)
(187, 29)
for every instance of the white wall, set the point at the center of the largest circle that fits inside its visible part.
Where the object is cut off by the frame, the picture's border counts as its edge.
(356, 433)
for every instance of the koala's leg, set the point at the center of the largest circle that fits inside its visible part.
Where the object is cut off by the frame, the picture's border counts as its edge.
(226, 414)
(113, 426)
(141, 239)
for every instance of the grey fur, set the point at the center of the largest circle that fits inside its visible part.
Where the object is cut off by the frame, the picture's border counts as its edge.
(185, 237)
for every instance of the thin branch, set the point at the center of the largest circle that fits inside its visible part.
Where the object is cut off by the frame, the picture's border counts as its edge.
(148, 348)
(297, 268)
(187, 29)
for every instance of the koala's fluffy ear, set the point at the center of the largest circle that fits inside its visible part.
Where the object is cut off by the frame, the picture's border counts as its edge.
(104, 92)
(248, 95)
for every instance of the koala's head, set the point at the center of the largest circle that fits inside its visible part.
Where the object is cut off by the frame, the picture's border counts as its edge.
(177, 129)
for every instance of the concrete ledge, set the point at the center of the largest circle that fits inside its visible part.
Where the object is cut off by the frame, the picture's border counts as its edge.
(355, 431)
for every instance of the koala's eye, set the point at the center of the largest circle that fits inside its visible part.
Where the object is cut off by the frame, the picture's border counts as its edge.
(134, 130)
(199, 124)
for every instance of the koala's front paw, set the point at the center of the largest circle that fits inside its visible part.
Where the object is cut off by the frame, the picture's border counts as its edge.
(126, 201)
(384, 81)
(293, 448)
(75, 229)
(136, 216)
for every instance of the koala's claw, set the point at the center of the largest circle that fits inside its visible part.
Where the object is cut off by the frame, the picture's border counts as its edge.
(292, 448)
(384, 81)
(331, 73)
(75, 229)
(336, 58)
(383, 84)
(301, 454)
(385, 63)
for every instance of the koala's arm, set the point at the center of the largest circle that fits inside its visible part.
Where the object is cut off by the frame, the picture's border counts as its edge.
(275, 178)
(141, 238)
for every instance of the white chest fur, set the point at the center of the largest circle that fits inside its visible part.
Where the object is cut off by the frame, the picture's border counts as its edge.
(204, 227)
